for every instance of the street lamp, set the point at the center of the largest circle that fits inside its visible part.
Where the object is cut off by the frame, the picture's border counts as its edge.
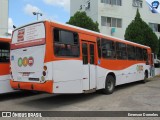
(37, 13)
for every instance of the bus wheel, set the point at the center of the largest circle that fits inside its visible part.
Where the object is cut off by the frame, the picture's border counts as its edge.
(145, 77)
(109, 85)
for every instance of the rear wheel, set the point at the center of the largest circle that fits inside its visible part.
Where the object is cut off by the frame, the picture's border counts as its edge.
(145, 77)
(109, 85)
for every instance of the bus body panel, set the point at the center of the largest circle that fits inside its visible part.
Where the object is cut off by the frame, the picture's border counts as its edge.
(5, 66)
(34, 57)
(28, 53)
(71, 75)
(5, 84)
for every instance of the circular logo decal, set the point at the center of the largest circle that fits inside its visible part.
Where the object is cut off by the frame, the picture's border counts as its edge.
(20, 62)
(30, 61)
(25, 62)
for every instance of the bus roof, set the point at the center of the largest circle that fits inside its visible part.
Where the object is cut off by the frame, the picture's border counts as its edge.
(5, 39)
(79, 28)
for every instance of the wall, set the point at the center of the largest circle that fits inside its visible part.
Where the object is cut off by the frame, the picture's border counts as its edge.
(126, 12)
(3, 17)
(157, 71)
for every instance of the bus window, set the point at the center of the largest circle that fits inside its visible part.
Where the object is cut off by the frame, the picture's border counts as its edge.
(139, 54)
(85, 53)
(92, 54)
(4, 52)
(121, 51)
(108, 49)
(99, 47)
(66, 43)
(145, 55)
(131, 52)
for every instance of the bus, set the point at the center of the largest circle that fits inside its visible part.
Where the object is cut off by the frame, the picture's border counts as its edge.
(58, 58)
(5, 65)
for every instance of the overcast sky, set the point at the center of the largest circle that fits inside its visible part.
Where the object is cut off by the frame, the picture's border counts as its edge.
(20, 11)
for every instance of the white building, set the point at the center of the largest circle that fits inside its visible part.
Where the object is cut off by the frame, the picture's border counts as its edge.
(114, 16)
(3, 17)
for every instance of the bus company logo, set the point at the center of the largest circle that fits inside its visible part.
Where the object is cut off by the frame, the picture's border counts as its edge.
(25, 61)
(139, 67)
(154, 5)
(30, 61)
(6, 114)
(21, 35)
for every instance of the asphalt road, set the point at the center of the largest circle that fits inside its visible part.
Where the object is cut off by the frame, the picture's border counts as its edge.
(131, 97)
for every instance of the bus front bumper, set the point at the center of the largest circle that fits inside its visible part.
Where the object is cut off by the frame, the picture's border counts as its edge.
(42, 87)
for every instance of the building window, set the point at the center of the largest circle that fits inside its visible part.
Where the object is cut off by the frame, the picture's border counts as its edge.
(155, 27)
(138, 3)
(103, 21)
(111, 22)
(112, 2)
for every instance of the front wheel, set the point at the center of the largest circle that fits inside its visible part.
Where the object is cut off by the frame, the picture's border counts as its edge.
(109, 85)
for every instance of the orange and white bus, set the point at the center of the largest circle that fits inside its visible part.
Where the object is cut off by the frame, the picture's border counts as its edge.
(5, 65)
(58, 58)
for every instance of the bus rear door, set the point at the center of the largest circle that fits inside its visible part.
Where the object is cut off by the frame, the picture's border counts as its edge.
(89, 65)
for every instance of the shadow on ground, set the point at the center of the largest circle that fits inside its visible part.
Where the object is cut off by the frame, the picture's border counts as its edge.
(17, 95)
(58, 101)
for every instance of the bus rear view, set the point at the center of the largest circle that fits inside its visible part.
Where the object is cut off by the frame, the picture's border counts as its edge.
(27, 58)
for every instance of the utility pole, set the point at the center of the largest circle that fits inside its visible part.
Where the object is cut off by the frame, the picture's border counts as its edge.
(37, 14)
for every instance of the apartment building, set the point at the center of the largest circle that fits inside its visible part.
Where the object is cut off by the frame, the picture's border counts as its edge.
(114, 16)
(3, 17)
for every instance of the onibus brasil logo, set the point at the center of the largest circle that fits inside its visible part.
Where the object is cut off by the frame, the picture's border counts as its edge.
(154, 5)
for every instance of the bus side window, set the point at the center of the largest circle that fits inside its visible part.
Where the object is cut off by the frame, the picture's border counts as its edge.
(139, 54)
(56, 35)
(4, 52)
(85, 53)
(131, 52)
(108, 49)
(145, 56)
(66, 43)
(121, 51)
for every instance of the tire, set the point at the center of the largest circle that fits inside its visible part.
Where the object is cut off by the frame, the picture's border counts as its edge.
(145, 77)
(109, 85)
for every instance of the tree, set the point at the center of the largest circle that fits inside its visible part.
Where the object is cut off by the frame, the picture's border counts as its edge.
(159, 49)
(138, 31)
(81, 19)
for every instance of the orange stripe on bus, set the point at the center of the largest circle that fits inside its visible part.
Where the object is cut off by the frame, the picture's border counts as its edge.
(4, 69)
(43, 87)
(28, 43)
(118, 64)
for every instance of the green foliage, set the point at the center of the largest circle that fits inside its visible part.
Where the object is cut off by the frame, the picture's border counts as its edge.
(159, 49)
(140, 32)
(81, 19)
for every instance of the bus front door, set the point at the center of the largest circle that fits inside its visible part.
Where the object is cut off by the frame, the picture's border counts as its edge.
(89, 65)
